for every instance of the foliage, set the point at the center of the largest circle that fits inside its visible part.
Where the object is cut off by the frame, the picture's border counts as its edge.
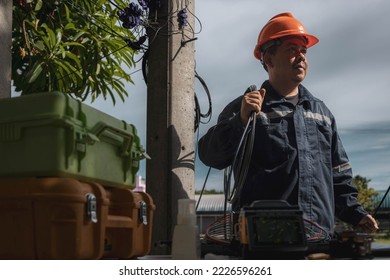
(366, 194)
(73, 46)
(212, 191)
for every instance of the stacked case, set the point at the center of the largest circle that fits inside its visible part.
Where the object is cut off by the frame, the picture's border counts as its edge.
(54, 135)
(67, 172)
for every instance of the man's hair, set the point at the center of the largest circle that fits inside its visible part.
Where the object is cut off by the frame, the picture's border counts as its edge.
(271, 50)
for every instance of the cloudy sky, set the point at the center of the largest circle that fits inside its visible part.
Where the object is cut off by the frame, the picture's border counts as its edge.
(349, 71)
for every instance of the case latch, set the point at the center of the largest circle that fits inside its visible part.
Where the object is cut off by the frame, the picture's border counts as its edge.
(92, 207)
(142, 213)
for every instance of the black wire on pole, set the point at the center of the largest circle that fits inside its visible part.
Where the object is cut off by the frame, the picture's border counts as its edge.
(203, 188)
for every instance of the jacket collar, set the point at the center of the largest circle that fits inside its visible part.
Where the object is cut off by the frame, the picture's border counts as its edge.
(272, 97)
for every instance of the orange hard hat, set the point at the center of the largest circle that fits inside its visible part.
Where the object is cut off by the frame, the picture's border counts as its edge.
(279, 26)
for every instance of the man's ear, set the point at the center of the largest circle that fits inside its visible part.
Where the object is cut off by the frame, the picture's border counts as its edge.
(268, 60)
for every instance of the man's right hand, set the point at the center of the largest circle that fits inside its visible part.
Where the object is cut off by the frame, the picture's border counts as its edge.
(251, 102)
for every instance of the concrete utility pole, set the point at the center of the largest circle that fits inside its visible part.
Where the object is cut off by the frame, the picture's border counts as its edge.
(5, 47)
(170, 117)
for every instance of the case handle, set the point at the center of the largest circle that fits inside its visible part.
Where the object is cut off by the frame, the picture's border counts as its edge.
(100, 127)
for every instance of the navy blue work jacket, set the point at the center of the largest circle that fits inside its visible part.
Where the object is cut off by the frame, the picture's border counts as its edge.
(297, 156)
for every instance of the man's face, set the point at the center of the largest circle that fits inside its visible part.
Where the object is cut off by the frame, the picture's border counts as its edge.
(289, 62)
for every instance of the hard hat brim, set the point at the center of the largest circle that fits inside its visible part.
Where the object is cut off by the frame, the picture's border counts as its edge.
(311, 41)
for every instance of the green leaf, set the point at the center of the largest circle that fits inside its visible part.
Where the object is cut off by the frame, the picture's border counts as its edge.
(67, 13)
(38, 6)
(97, 68)
(73, 44)
(74, 58)
(69, 26)
(37, 70)
(59, 36)
(51, 38)
(39, 45)
(69, 68)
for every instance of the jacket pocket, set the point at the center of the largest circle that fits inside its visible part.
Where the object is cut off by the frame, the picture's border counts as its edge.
(271, 144)
(324, 135)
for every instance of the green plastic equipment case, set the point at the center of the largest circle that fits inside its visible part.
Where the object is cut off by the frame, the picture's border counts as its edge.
(53, 135)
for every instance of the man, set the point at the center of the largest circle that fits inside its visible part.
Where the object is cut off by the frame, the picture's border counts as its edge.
(297, 153)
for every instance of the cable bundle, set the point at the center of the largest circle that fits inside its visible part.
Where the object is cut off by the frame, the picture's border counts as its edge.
(314, 232)
(221, 230)
(242, 158)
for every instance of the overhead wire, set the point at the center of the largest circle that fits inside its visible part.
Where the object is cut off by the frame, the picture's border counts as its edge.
(198, 113)
(198, 120)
